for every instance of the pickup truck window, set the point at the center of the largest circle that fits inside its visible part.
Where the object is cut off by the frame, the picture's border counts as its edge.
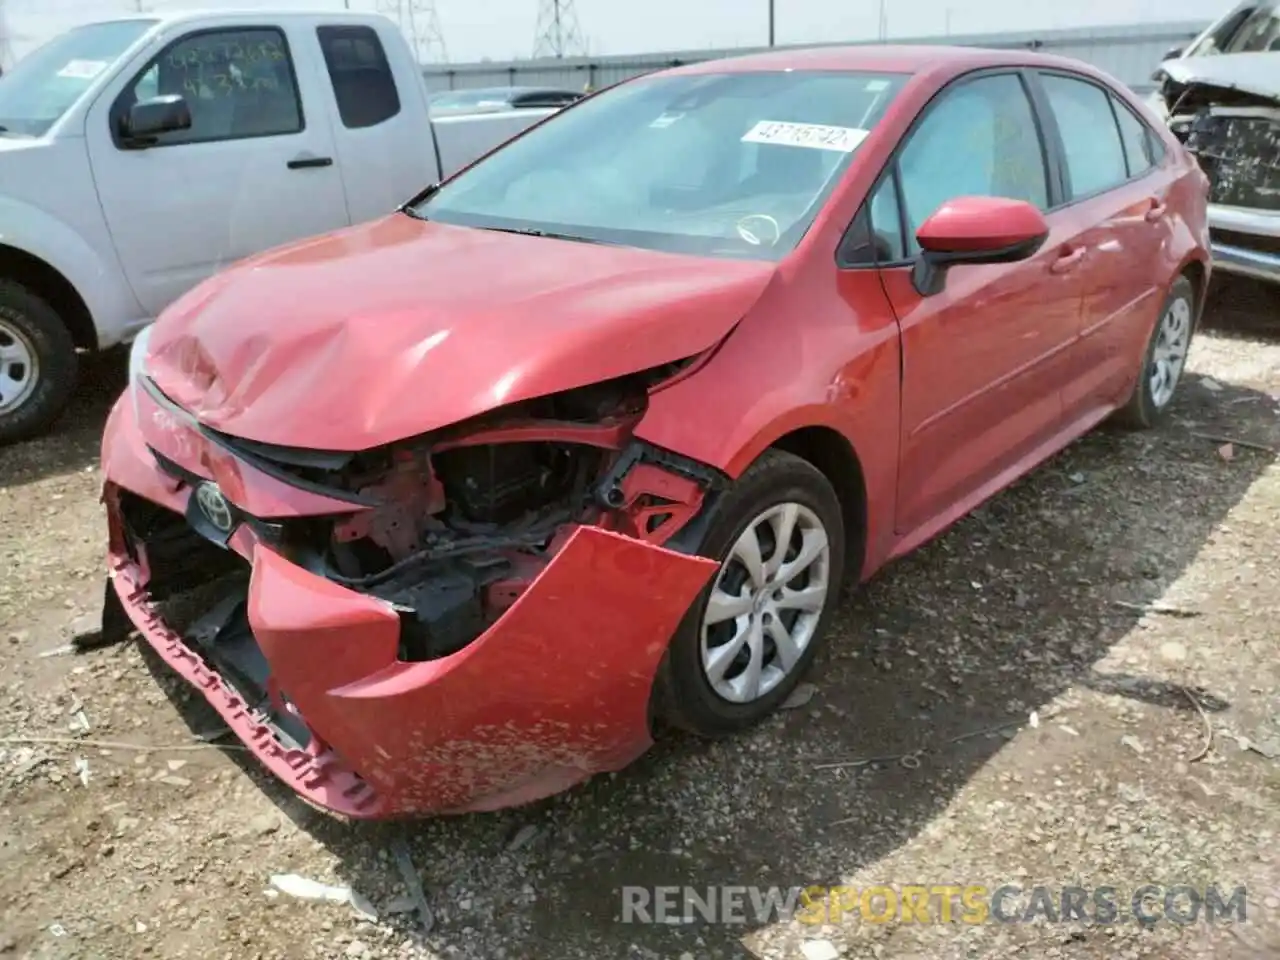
(238, 83)
(1249, 28)
(44, 85)
(732, 165)
(362, 80)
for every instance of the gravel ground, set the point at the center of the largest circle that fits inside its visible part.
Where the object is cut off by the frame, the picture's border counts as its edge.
(1108, 614)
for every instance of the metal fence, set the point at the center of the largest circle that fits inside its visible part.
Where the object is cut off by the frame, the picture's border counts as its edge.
(1129, 53)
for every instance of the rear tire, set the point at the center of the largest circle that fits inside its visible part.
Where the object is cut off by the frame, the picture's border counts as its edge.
(1164, 360)
(722, 677)
(38, 364)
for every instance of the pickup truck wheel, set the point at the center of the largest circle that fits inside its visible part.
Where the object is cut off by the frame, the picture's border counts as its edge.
(38, 364)
(1164, 360)
(753, 633)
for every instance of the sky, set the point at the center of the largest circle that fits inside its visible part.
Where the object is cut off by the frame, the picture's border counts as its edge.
(503, 29)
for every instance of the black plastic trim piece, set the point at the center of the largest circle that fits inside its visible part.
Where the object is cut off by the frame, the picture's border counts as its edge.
(609, 491)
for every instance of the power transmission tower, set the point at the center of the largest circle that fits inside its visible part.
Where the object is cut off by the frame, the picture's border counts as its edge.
(420, 22)
(883, 28)
(557, 33)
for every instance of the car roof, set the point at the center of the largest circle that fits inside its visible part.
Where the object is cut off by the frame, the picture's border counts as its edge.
(885, 58)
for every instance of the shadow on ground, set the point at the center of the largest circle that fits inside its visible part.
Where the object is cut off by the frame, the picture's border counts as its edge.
(1238, 305)
(993, 620)
(75, 441)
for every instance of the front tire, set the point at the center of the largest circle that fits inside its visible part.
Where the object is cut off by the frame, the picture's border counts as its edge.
(753, 633)
(38, 364)
(1164, 360)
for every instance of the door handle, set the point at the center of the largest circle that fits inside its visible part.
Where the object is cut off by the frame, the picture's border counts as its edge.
(302, 163)
(1067, 260)
(1158, 209)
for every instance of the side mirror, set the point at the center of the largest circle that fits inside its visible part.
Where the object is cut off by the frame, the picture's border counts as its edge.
(975, 230)
(1172, 53)
(149, 118)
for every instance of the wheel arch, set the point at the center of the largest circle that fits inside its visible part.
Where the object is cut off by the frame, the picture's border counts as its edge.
(833, 455)
(48, 283)
(1196, 270)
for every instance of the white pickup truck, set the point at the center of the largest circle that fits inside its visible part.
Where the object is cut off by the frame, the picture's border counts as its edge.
(139, 156)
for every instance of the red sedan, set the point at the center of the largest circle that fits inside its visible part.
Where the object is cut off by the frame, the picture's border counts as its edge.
(590, 435)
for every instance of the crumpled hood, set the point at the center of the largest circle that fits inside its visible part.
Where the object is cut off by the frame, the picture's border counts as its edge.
(391, 329)
(1256, 73)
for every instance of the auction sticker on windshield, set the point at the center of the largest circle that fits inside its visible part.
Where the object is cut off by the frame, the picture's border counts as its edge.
(814, 135)
(83, 69)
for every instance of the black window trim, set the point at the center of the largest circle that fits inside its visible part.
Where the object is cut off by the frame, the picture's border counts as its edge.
(1049, 152)
(1051, 122)
(116, 112)
(347, 29)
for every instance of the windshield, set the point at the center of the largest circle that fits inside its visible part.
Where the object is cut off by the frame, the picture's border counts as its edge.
(733, 165)
(1250, 28)
(44, 85)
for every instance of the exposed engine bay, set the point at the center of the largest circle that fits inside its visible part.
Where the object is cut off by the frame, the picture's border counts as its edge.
(1235, 136)
(452, 527)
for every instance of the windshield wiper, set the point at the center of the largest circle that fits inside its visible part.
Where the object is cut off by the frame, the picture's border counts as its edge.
(420, 197)
(546, 234)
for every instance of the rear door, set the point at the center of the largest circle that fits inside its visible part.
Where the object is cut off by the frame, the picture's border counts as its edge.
(1116, 194)
(377, 105)
(985, 360)
(255, 170)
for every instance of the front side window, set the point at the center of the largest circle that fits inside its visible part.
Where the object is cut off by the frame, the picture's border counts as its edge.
(46, 83)
(237, 83)
(363, 84)
(733, 165)
(979, 139)
(1090, 138)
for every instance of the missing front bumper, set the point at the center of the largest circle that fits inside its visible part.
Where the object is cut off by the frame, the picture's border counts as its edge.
(554, 692)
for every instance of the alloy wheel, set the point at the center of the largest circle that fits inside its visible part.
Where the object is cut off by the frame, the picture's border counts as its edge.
(1170, 354)
(766, 602)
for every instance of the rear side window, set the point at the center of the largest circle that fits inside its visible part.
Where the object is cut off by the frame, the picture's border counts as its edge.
(363, 84)
(1138, 140)
(1090, 138)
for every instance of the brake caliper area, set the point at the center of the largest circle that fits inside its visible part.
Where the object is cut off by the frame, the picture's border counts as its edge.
(461, 522)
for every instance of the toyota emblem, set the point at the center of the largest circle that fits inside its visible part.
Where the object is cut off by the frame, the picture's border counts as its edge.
(215, 507)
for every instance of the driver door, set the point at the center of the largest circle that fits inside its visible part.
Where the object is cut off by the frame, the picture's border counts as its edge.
(255, 169)
(985, 360)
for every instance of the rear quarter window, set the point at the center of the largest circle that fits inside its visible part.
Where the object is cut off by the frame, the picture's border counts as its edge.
(363, 84)
(1138, 139)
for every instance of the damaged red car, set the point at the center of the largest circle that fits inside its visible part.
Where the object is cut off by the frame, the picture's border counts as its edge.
(446, 511)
